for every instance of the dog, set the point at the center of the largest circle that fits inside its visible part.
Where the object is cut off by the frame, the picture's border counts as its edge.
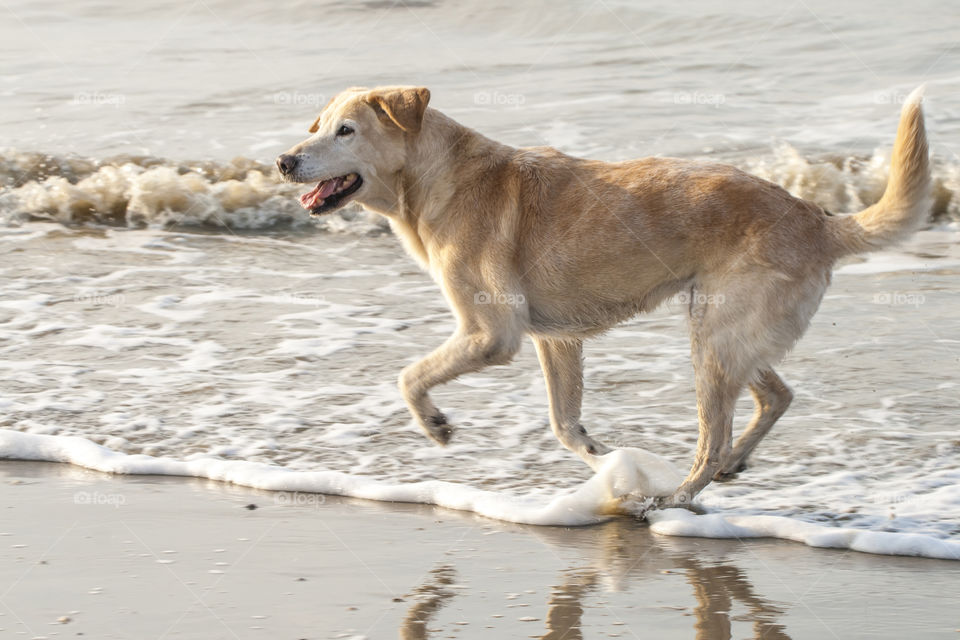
(531, 241)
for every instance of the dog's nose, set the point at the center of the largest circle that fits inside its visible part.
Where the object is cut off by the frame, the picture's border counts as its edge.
(286, 163)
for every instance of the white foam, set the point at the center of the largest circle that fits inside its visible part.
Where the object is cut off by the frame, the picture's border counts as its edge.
(679, 522)
(622, 479)
(244, 194)
(239, 195)
(592, 502)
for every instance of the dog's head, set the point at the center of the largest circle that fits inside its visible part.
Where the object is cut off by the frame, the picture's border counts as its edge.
(358, 142)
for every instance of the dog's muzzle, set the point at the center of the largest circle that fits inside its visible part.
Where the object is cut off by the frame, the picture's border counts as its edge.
(287, 164)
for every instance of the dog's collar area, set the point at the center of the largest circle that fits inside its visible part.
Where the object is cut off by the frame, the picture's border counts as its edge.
(328, 194)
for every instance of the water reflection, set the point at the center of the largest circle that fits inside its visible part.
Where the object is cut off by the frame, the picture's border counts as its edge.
(716, 588)
(565, 610)
(610, 558)
(428, 598)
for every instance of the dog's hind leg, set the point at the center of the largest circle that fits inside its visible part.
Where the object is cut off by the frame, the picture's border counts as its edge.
(771, 396)
(733, 336)
(562, 363)
(717, 393)
(724, 357)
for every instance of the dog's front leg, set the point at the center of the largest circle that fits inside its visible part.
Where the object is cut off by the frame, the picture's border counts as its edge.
(464, 352)
(562, 363)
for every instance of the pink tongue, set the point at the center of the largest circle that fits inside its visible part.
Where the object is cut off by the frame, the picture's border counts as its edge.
(321, 192)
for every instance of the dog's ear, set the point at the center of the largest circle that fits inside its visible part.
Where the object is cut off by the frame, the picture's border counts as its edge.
(403, 106)
(316, 123)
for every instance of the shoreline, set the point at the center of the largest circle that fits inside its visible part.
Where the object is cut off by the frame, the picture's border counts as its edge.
(137, 556)
(605, 495)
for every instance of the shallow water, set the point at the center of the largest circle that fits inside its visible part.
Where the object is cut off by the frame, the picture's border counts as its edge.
(162, 294)
(284, 349)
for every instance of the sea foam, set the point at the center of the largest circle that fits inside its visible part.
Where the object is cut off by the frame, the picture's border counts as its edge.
(621, 485)
(245, 194)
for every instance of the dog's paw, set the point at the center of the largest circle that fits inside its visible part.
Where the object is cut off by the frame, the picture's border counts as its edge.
(635, 505)
(725, 475)
(438, 429)
(677, 501)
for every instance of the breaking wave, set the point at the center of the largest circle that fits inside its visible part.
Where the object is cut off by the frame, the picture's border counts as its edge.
(243, 194)
(142, 191)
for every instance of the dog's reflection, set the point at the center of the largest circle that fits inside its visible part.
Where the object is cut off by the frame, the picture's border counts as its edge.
(716, 588)
(428, 598)
(565, 608)
(623, 551)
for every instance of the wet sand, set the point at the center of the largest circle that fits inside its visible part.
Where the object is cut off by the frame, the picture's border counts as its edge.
(99, 556)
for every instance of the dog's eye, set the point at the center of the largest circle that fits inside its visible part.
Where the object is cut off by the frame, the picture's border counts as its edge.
(344, 130)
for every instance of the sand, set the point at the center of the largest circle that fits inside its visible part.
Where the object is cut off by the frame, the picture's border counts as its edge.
(100, 556)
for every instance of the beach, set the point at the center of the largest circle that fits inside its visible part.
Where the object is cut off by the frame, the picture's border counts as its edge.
(146, 556)
(201, 434)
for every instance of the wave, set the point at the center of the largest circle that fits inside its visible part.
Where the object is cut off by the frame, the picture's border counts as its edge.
(143, 191)
(846, 184)
(244, 194)
(620, 476)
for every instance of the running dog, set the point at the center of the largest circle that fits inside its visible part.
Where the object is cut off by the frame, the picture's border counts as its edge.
(533, 241)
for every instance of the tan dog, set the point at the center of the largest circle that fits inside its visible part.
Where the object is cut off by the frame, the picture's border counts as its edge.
(533, 241)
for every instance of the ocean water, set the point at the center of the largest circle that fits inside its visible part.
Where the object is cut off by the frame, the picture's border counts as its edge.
(166, 306)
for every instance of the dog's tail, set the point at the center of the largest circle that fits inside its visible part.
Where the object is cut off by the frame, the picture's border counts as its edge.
(907, 199)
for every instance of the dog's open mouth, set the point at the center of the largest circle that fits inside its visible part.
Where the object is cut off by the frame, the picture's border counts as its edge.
(330, 194)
